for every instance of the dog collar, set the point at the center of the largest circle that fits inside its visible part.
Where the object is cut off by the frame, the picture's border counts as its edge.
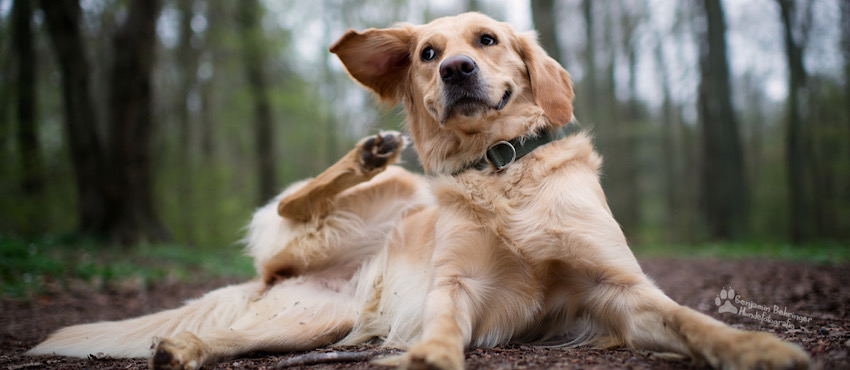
(502, 153)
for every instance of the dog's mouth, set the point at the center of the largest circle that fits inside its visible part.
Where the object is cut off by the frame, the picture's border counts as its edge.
(469, 105)
(505, 97)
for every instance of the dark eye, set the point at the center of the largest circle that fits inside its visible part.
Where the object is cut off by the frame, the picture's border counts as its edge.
(428, 54)
(487, 40)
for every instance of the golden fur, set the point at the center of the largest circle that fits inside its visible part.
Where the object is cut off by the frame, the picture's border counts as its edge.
(437, 265)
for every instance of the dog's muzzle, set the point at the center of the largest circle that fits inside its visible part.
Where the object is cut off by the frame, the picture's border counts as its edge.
(463, 92)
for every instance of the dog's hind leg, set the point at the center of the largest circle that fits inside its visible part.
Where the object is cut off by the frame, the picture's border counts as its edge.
(294, 317)
(132, 337)
(339, 218)
(190, 351)
(367, 159)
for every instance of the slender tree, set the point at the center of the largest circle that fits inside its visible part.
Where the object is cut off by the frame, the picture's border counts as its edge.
(32, 168)
(62, 18)
(545, 14)
(632, 16)
(218, 21)
(688, 144)
(671, 173)
(330, 137)
(589, 81)
(845, 51)
(845, 178)
(254, 60)
(795, 139)
(131, 125)
(724, 193)
(187, 63)
(627, 125)
(615, 129)
(6, 79)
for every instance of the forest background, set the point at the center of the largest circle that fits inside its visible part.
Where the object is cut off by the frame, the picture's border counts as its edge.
(134, 122)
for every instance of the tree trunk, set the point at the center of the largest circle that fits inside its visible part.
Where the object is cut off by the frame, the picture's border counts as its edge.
(131, 125)
(590, 78)
(87, 156)
(845, 50)
(254, 59)
(544, 13)
(686, 138)
(216, 15)
(801, 210)
(187, 60)
(844, 231)
(32, 168)
(724, 197)
(669, 154)
(615, 130)
(629, 129)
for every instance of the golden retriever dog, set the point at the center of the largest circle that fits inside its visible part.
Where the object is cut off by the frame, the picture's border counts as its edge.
(509, 240)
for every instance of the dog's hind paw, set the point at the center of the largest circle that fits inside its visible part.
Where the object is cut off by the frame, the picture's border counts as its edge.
(182, 352)
(376, 152)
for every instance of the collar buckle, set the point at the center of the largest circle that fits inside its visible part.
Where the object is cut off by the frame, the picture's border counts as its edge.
(501, 154)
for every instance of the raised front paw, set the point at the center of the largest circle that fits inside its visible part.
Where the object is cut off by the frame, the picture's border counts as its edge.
(181, 352)
(380, 150)
(755, 350)
(433, 354)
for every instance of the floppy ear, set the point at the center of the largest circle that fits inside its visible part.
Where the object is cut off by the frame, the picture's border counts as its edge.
(550, 83)
(377, 58)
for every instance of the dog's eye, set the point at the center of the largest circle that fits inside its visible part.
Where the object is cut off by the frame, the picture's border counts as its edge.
(428, 54)
(487, 40)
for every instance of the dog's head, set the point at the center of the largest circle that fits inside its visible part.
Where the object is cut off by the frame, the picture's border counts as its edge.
(466, 82)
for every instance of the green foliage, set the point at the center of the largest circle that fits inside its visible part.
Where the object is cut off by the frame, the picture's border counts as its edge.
(206, 183)
(29, 267)
(820, 253)
(35, 266)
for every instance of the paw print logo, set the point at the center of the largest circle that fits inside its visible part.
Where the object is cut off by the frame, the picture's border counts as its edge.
(724, 303)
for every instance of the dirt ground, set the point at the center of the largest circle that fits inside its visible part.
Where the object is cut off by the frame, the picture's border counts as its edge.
(820, 295)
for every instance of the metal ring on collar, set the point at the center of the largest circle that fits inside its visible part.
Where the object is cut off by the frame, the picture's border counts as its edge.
(499, 148)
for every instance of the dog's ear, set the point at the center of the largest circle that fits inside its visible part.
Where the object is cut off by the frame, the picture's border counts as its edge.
(550, 83)
(377, 58)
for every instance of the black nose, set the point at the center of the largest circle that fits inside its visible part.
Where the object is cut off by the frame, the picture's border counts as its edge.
(457, 68)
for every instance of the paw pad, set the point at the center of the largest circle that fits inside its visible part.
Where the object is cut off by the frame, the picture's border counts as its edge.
(377, 151)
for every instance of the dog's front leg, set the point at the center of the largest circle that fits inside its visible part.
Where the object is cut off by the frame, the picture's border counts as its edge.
(459, 261)
(657, 323)
(446, 328)
(724, 347)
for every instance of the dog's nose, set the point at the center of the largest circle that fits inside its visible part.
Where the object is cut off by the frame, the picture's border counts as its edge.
(457, 68)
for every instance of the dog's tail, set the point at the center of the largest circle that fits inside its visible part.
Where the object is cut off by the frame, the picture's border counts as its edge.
(132, 338)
